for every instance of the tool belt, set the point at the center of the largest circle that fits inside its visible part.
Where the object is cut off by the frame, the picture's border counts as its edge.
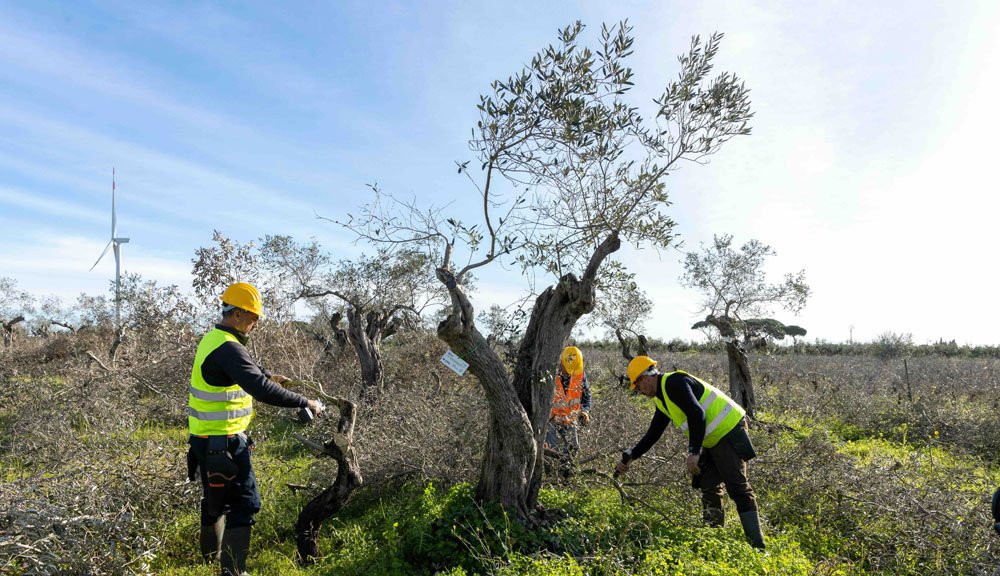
(220, 473)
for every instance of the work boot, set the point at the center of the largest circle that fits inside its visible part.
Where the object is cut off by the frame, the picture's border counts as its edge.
(235, 549)
(751, 527)
(210, 540)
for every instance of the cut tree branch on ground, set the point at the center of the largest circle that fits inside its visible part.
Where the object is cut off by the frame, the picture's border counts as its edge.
(625, 496)
(98, 361)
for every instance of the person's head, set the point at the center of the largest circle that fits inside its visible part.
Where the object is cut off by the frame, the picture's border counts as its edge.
(571, 360)
(241, 307)
(643, 375)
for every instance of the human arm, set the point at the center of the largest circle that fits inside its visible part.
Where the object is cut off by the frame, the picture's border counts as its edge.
(585, 396)
(232, 363)
(585, 401)
(656, 427)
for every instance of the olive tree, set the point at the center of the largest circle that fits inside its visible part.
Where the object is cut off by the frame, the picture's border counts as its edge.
(565, 170)
(228, 261)
(15, 306)
(53, 312)
(622, 309)
(736, 296)
(160, 317)
(381, 294)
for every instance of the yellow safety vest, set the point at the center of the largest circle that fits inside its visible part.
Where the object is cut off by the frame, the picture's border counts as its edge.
(722, 414)
(216, 410)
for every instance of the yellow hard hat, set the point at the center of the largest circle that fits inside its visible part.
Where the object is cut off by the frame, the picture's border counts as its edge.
(244, 296)
(637, 366)
(572, 360)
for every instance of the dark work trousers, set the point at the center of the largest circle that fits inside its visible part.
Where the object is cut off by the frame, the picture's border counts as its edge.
(725, 464)
(242, 499)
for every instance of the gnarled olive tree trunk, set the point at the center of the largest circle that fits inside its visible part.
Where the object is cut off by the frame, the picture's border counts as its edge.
(520, 403)
(740, 379)
(365, 335)
(365, 331)
(8, 330)
(336, 496)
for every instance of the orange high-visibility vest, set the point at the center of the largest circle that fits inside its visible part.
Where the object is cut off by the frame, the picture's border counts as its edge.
(566, 404)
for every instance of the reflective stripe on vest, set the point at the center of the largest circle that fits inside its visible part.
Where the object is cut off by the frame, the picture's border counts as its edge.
(216, 396)
(566, 404)
(722, 414)
(216, 410)
(228, 415)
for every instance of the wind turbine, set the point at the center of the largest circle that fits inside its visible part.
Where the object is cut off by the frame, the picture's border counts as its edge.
(116, 243)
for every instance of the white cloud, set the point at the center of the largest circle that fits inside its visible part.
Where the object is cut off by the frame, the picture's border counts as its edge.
(60, 266)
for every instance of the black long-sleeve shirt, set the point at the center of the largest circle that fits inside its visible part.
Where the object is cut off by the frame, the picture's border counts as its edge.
(683, 391)
(231, 364)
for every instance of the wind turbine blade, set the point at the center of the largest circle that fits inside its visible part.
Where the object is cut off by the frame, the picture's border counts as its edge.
(102, 254)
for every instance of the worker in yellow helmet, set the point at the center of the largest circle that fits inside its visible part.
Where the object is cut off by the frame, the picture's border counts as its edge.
(225, 380)
(570, 406)
(718, 444)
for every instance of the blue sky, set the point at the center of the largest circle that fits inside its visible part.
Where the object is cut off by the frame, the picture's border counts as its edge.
(870, 162)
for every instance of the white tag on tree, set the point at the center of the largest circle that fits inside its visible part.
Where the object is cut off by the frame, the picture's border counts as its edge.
(454, 362)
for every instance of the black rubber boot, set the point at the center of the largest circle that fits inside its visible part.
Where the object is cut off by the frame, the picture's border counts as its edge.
(751, 527)
(210, 540)
(235, 549)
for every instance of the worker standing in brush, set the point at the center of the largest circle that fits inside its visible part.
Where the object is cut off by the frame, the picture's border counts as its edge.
(570, 408)
(225, 380)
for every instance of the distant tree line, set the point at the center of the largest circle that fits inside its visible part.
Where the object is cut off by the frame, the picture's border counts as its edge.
(886, 345)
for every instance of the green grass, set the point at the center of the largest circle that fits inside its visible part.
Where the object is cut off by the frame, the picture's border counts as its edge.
(421, 529)
(823, 517)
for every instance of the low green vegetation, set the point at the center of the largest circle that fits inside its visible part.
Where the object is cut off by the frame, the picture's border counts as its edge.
(857, 473)
(821, 520)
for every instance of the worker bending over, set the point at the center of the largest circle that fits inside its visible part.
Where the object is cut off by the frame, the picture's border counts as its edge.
(718, 444)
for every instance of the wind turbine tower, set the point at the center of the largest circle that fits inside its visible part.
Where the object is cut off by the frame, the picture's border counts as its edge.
(115, 242)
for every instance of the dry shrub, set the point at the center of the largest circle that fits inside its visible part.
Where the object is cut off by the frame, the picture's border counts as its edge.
(428, 424)
(954, 400)
(891, 511)
(90, 470)
(85, 482)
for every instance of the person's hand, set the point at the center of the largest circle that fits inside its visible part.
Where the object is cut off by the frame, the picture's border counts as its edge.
(584, 418)
(621, 468)
(692, 464)
(279, 379)
(317, 407)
